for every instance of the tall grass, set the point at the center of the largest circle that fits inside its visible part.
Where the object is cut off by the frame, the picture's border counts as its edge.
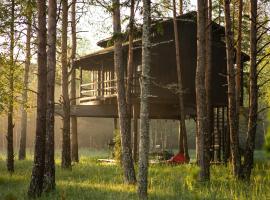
(93, 180)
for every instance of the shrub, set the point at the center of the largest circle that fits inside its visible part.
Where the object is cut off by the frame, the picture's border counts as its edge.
(117, 152)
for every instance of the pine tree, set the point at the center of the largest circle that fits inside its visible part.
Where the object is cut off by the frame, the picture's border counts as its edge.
(253, 93)
(127, 161)
(236, 158)
(201, 92)
(49, 175)
(66, 151)
(74, 131)
(36, 183)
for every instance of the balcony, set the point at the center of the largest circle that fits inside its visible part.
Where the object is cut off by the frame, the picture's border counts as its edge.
(103, 90)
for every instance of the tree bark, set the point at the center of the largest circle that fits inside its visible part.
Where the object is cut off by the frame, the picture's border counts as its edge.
(253, 94)
(66, 151)
(130, 72)
(183, 132)
(236, 158)
(144, 110)
(49, 175)
(10, 150)
(239, 62)
(208, 77)
(74, 129)
(127, 161)
(22, 150)
(36, 183)
(203, 134)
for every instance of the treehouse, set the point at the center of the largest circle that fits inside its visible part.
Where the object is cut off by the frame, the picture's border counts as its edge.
(98, 84)
(98, 94)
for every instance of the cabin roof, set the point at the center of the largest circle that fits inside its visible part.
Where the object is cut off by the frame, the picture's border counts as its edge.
(190, 17)
(105, 55)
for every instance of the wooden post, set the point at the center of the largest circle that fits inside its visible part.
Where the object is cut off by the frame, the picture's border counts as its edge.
(81, 82)
(99, 82)
(242, 85)
(227, 139)
(212, 141)
(197, 145)
(115, 124)
(102, 85)
(112, 82)
(135, 133)
(223, 133)
(218, 135)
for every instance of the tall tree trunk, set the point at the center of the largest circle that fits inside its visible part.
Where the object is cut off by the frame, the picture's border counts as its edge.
(36, 183)
(10, 150)
(130, 72)
(66, 151)
(253, 93)
(127, 161)
(74, 129)
(203, 160)
(144, 110)
(22, 150)
(236, 158)
(183, 131)
(238, 63)
(49, 182)
(208, 78)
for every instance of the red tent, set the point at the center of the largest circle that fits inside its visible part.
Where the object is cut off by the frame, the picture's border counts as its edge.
(178, 159)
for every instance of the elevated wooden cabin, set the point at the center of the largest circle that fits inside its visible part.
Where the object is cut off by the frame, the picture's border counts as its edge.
(98, 85)
(97, 79)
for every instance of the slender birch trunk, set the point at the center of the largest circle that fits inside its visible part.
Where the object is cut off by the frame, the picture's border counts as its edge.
(144, 110)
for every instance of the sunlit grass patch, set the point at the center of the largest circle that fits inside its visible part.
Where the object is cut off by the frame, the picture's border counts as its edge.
(91, 179)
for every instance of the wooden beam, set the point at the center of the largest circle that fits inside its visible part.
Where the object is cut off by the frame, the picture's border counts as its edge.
(157, 111)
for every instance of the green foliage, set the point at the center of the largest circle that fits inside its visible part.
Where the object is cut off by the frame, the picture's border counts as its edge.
(5, 94)
(267, 138)
(117, 151)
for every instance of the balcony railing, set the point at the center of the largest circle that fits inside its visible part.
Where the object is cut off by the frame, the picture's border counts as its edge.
(100, 90)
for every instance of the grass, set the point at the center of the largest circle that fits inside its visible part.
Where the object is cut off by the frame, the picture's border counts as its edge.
(92, 180)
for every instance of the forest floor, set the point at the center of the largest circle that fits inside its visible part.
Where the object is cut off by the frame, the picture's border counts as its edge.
(93, 180)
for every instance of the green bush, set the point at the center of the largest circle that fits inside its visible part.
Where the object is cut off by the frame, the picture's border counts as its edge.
(267, 138)
(267, 142)
(117, 152)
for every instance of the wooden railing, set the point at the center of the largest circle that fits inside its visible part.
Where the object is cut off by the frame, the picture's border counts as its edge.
(99, 90)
